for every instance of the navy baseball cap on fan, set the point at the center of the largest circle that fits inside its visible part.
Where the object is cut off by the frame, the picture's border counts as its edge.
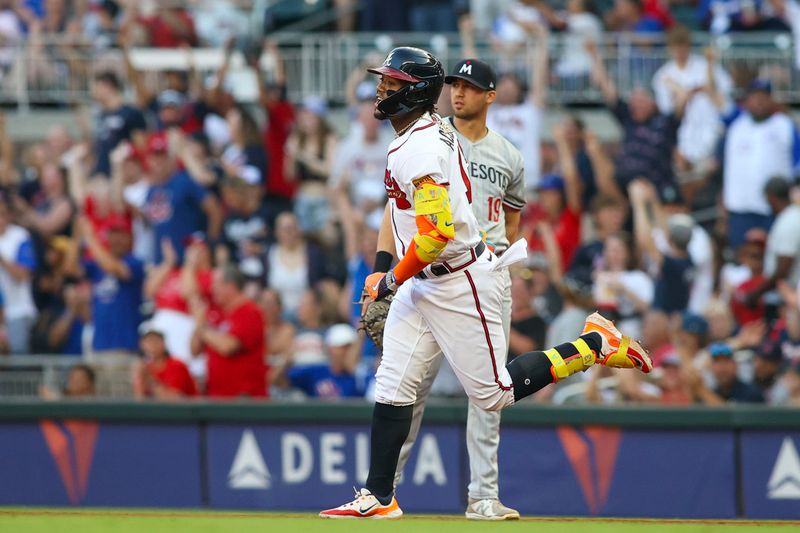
(761, 85)
(474, 71)
(694, 324)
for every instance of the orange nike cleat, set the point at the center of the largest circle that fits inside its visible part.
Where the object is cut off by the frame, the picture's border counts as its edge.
(618, 350)
(364, 506)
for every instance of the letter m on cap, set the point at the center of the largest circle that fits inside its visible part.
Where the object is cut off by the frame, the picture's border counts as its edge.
(466, 68)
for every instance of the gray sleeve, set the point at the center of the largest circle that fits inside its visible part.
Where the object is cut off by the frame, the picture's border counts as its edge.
(515, 194)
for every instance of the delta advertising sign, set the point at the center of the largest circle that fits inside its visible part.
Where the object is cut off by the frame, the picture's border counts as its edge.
(565, 470)
(771, 474)
(313, 467)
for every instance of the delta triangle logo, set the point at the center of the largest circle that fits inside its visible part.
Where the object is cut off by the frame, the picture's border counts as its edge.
(71, 444)
(592, 454)
(249, 471)
(784, 482)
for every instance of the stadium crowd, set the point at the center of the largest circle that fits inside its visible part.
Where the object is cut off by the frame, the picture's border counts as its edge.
(203, 246)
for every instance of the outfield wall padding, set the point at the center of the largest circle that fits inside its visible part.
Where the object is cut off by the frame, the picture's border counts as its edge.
(694, 462)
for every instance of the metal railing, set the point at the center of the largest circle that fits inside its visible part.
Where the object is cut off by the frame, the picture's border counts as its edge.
(57, 70)
(25, 376)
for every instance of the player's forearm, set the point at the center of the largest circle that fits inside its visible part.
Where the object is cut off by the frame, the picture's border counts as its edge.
(224, 343)
(385, 237)
(512, 224)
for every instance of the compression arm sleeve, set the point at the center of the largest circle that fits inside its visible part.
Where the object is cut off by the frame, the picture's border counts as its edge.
(435, 229)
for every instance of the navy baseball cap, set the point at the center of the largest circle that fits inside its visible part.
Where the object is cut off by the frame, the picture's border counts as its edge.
(771, 350)
(551, 182)
(695, 324)
(760, 85)
(474, 71)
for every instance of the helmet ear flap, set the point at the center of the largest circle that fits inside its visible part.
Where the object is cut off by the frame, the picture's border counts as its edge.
(393, 104)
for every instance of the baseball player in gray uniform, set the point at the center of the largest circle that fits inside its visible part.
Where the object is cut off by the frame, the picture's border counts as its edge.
(495, 169)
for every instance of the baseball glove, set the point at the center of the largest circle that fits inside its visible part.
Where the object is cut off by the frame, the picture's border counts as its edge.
(374, 319)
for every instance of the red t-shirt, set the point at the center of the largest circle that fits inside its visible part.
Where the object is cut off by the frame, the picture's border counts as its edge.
(102, 223)
(169, 294)
(659, 10)
(281, 120)
(162, 34)
(567, 232)
(174, 375)
(243, 373)
(742, 313)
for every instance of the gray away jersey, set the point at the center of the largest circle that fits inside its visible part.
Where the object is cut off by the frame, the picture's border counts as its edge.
(497, 175)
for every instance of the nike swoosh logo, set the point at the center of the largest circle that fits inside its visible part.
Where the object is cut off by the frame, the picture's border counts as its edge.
(362, 510)
(448, 223)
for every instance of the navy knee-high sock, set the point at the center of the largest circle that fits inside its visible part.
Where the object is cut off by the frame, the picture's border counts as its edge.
(390, 427)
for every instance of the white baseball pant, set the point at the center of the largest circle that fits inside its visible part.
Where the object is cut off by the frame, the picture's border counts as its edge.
(483, 427)
(459, 314)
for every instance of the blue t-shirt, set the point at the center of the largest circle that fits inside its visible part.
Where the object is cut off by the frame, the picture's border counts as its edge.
(116, 306)
(673, 285)
(357, 272)
(174, 211)
(648, 25)
(74, 343)
(317, 381)
(114, 127)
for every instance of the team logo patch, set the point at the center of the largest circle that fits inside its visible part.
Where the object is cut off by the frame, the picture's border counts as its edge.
(394, 191)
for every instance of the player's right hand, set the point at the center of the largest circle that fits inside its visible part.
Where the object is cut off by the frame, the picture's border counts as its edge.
(379, 285)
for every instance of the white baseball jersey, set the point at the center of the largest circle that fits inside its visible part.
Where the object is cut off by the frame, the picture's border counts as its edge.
(429, 148)
(460, 313)
(496, 171)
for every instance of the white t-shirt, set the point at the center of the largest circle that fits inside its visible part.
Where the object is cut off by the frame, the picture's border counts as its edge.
(792, 18)
(289, 282)
(754, 153)
(634, 281)
(507, 30)
(784, 241)
(731, 276)
(144, 239)
(429, 148)
(521, 124)
(574, 60)
(362, 165)
(701, 126)
(11, 32)
(16, 246)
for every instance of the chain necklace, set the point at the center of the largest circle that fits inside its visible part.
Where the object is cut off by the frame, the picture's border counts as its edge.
(402, 132)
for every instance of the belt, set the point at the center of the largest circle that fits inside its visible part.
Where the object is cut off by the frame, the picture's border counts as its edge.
(441, 269)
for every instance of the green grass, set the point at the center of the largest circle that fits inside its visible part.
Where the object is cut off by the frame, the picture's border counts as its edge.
(30, 520)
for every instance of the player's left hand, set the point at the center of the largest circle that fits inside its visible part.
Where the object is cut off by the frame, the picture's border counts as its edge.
(379, 285)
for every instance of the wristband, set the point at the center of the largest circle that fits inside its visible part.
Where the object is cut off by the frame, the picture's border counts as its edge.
(383, 261)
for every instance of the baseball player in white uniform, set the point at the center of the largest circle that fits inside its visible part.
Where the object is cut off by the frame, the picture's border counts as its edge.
(448, 286)
(496, 173)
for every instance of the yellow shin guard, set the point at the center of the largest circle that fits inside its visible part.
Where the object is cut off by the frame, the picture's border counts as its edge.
(563, 368)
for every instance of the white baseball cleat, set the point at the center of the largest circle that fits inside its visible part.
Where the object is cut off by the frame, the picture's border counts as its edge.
(489, 509)
(364, 506)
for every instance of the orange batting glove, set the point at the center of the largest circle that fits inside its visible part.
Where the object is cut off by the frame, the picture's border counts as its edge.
(380, 285)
